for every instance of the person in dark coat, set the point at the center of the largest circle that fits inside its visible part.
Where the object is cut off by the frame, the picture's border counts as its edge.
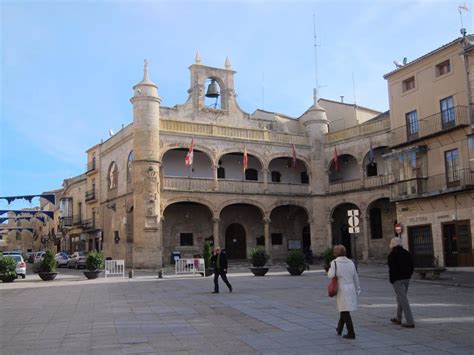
(219, 262)
(400, 267)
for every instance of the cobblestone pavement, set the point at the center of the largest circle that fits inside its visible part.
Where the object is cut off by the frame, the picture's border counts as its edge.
(276, 314)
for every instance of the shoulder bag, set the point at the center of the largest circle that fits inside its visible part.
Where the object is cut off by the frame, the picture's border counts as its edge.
(332, 287)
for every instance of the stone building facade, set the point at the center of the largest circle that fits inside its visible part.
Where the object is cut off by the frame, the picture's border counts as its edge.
(256, 179)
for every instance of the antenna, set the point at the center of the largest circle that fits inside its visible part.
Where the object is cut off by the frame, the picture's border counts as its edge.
(462, 8)
(316, 84)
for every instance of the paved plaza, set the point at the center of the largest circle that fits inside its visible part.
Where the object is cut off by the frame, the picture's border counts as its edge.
(276, 314)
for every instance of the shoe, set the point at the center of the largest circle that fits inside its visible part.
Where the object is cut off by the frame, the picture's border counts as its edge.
(408, 325)
(396, 321)
(339, 332)
(215, 292)
(349, 336)
(230, 289)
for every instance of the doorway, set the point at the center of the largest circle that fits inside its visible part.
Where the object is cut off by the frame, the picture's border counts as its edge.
(235, 244)
(457, 243)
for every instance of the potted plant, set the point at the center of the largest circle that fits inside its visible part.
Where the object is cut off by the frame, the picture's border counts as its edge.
(206, 254)
(94, 264)
(46, 268)
(295, 262)
(259, 259)
(7, 269)
(328, 256)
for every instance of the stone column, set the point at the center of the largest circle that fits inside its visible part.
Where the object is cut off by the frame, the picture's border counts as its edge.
(365, 251)
(266, 235)
(216, 231)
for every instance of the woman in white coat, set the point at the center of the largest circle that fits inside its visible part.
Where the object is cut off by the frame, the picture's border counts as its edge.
(347, 289)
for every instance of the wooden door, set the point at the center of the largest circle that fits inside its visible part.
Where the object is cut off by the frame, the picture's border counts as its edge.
(235, 244)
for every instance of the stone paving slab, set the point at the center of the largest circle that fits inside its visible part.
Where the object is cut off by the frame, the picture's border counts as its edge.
(276, 314)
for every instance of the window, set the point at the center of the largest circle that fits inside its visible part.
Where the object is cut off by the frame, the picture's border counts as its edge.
(304, 177)
(443, 68)
(277, 239)
(276, 176)
(116, 237)
(451, 161)
(371, 169)
(470, 145)
(113, 176)
(220, 173)
(376, 231)
(251, 174)
(260, 241)
(186, 239)
(447, 112)
(129, 167)
(412, 125)
(408, 84)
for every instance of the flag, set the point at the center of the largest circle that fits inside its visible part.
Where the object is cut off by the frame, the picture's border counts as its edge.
(189, 156)
(245, 161)
(371, 155)
(336, 160)
(293, 160)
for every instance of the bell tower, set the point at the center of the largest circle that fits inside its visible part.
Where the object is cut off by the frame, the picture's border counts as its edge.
(147, 246)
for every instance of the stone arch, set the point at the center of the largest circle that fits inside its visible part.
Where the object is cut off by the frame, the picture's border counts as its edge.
(339, 155)
(251, 152)
(299, 157)
(194, 199)
(291, 202)
(340, 227)
(339, 202)
(170, 146)
(241, 201)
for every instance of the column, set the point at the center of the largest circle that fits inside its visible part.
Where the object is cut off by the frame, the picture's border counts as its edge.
(266, 235)
(265, 179)
(214, 174)
(216, 231)
(365, 251)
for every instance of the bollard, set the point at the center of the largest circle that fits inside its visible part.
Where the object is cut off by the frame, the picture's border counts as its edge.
(130, 274)
(160, 274)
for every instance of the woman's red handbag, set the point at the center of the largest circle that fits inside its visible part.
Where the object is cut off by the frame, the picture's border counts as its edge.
(332, 287)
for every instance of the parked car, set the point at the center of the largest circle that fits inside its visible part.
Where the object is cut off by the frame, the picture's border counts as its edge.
(20, 266)
(11, 252)
(61, 259)
(77, 260)
(39, 256)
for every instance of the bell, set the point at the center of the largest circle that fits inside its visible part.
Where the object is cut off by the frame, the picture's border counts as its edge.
(212, 90)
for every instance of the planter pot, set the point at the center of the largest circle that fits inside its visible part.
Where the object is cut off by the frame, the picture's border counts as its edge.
(92, 274)
(295, 271)
(8, 278)
(48, 276)
(259, 271)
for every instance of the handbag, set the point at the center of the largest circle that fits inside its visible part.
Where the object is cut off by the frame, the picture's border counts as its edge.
(332, 287)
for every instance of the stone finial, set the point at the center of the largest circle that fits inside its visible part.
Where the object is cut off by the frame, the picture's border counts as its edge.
(197, 59)
(145, 69)
(227, 63)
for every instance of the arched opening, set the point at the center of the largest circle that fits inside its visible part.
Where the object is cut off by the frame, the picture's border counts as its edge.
(235, 241)
(276, 176)
(340, 227)
(289, 230)
(346, 169)
(221, 172)
(382, 216)
(374, 162)
(212, 96)
(174, 164)
(289, 171)
(251, 174)
(232, 164)
(185, 227)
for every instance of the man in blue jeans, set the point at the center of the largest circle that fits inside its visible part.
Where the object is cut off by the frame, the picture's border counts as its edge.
(400, 267)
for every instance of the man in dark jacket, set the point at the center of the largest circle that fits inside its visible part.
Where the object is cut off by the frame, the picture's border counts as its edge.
(400, 266)
(219, 262)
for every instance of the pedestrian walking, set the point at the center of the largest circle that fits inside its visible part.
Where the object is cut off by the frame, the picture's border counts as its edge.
(219, 262)
(400, 267)
(348, 288)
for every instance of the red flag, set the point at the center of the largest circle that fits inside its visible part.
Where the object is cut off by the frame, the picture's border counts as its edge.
(336, 160)
(293, 160)
(189, 156)
(245, 161)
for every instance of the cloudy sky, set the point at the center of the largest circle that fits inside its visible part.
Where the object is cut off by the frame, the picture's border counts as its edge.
(68, 67)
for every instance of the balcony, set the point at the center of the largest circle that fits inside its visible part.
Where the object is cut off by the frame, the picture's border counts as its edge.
(91, 167)
(431, 126)
(77, 220)
(232, 186)
(90, 196)
(462, 179)
(66, 222)
(89, 224)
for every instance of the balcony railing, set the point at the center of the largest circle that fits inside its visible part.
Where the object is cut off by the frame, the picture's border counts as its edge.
(344, 186)
(88, 223)
(359, 130)
(90, 195)
(359, 184)
(432, 185)
(90, 166)
(232, 186)
(77, 220)
(442, 121)
(66, 221)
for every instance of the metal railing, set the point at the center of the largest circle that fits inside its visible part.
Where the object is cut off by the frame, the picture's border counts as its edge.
(90, 195)
(66, 221)
(114, 268)
(76, 220)
(88, 223)
(434, 124)
(190, 266)
(432, 185)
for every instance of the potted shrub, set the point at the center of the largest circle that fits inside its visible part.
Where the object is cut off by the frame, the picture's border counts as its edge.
(328, 256)
(46, 268)
(94, 264)
(206, 254)
(295, 262)
(7, 269)
(259, 259)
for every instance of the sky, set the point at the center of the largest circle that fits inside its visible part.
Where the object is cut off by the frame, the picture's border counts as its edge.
(68, 67)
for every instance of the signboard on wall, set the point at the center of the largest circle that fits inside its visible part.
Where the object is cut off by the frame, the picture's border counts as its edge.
(294, 244)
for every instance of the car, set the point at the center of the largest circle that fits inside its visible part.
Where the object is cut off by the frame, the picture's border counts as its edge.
(29, 255)
(20, 266)
(61, 259)
(39, 256)
(77, 260)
